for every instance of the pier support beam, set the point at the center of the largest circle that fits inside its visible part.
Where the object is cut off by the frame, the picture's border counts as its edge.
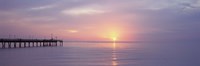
(40, 44)
(61, 43)
(9, 45)
(36, 44)
(24, 44)
(56, 43)
(33, 44)
(4, 45)
(50, 44)
(43, 44)
(15, 46)
(20, 44)
(1, 44)
(29, 44)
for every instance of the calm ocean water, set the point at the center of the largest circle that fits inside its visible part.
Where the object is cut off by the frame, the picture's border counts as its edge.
(105, 54)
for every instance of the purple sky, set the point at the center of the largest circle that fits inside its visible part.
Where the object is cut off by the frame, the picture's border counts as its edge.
(151, 20)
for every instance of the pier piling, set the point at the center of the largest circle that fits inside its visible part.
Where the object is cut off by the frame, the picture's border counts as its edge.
(23, 43)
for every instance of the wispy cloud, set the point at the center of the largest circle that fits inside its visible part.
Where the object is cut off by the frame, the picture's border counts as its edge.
(43, 7)
(88, 10)
(72, 31)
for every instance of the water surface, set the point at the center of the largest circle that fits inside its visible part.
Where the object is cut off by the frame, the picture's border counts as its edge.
(104, 54)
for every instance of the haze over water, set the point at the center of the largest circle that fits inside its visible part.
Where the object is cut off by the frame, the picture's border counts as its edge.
(105, 54)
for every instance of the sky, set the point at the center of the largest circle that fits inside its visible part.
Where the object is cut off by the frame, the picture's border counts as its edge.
(94, 20)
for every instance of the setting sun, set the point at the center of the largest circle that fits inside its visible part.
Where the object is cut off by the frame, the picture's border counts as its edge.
(114, 38)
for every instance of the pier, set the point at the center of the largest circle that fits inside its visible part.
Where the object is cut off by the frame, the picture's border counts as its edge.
(25, 43)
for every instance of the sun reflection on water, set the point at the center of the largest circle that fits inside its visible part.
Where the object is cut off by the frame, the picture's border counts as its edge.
(114, 56)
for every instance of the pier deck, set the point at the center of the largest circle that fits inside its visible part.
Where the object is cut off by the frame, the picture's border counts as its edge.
(23, 43)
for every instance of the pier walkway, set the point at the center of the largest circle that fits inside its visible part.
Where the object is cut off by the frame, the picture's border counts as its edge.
(23, 43)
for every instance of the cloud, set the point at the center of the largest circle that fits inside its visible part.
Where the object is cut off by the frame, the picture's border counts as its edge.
(72, 31)
(82, 11)
(43, 7)
(23, 4)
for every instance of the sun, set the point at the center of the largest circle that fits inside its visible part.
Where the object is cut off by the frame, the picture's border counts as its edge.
(114, 38)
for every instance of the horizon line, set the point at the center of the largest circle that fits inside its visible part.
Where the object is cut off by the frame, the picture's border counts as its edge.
(96, 41)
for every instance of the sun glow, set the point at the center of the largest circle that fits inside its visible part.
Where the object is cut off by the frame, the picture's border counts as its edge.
(114, 38)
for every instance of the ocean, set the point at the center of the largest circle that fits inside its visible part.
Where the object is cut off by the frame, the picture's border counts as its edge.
(105, 54)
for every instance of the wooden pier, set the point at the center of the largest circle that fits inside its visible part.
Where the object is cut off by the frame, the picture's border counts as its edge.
(24, 43)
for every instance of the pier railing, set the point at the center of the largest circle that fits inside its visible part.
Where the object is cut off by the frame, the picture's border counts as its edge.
(23, 43)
